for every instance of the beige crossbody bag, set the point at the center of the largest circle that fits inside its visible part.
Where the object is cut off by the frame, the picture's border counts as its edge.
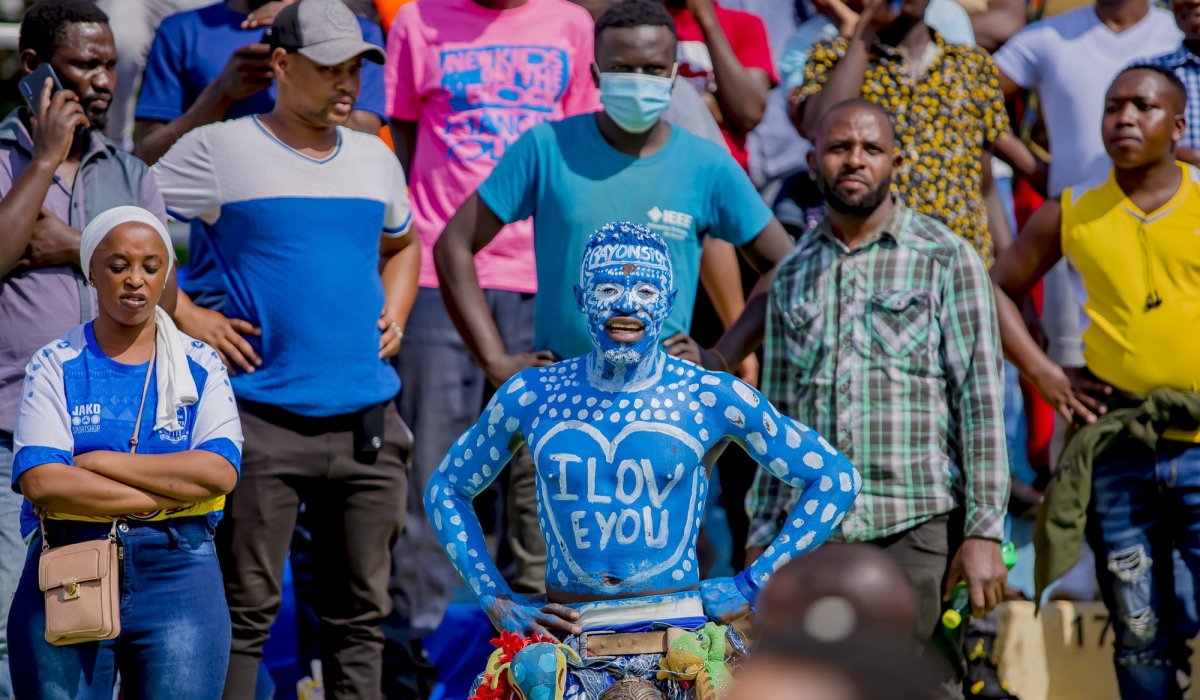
(82, 582)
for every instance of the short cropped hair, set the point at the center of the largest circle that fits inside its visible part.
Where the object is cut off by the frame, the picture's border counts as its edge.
(45, 24)
(1175, 82)
(636, 13)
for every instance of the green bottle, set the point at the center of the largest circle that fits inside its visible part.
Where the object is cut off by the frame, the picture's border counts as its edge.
(960, 600)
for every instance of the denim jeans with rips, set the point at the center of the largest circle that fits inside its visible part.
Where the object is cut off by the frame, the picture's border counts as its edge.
(1143, 504)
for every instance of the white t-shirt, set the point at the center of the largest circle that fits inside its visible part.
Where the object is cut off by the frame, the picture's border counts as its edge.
(1071, 59)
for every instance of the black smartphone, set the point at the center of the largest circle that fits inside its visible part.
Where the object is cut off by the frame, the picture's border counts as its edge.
(31, 85)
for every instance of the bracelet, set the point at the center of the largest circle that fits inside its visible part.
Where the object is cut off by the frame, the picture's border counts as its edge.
(746, 586)
(724, 362)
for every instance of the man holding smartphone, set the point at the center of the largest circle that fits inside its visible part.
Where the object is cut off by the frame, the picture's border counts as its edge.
(57, 172)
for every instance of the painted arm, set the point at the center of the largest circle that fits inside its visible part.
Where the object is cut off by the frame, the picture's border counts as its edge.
(472, 463)
(795, 454)
(191, 476)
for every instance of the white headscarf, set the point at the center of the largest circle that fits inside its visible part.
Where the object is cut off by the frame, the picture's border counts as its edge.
(175, 385)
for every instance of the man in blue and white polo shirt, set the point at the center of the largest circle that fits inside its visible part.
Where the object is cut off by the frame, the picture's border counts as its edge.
(295, 205)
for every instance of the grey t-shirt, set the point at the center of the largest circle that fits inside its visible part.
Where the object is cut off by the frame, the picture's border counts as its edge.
(39, 305)
(689, 111)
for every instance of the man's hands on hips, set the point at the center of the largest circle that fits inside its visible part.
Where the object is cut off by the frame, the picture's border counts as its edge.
(223, 334)
(979, 564)
(502, 367)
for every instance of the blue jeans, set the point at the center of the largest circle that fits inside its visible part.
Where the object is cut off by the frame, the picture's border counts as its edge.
(12, 548)
(174, 640)
(1143, 505)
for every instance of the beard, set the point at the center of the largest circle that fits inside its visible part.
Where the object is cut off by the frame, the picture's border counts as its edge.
(862, 207)
(96, 120)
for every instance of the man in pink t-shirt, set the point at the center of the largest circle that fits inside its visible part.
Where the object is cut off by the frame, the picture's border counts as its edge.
(464, 79)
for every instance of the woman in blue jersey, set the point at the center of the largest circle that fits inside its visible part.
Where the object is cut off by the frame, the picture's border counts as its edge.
(128, 378)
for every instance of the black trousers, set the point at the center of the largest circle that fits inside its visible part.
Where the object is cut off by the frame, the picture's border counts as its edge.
(355, 512)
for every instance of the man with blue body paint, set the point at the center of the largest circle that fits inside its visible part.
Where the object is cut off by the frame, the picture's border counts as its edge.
(621, 438)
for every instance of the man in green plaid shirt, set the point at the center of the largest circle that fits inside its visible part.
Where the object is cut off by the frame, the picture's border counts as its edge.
(881, 335)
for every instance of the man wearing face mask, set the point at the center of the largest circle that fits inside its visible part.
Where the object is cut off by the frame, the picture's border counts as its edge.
(574, 175)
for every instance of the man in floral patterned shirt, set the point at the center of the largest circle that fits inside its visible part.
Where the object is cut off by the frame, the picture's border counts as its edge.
(945, 102)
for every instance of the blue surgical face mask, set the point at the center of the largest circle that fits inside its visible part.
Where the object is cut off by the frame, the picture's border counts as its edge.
(635, 101)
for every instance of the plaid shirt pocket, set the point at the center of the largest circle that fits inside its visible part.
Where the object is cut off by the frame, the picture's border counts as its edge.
(900, 321)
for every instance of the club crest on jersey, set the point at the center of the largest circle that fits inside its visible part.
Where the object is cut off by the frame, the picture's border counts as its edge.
(176, 436)
(85, 418)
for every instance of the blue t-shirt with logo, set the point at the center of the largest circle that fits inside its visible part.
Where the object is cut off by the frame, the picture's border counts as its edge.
(572, 182)
(76, 400)
(190, 50)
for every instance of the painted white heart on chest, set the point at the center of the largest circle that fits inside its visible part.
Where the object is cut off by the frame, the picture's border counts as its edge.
(583, 438)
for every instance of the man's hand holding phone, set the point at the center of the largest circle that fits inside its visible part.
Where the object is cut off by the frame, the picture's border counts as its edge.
(59, 116)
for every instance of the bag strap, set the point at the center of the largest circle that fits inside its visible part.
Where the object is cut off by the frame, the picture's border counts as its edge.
(133, 443)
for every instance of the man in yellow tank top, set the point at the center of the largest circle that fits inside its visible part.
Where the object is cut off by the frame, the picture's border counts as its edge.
(1133, 238)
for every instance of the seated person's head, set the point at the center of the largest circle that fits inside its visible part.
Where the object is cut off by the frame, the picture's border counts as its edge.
(859, 667)
(74, 38)
(836, 590)
(854, 157)
(1143, 116)
(626, 290)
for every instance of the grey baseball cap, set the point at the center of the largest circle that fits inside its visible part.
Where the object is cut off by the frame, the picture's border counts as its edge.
(323, 31)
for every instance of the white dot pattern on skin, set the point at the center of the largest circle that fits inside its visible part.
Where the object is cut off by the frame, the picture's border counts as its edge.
(778, 467)
(805, 541)
(792, 437)
(605, 404)
(452, 550)
(687, 565)
(517, 384)
(554, 413)
(614, 417)
(857, 480)
(735, 416)
(844, 481)
(623, 404)
(527, 398)
(637, 403)
(703, 433)
(655, 403)
(756, 441)
(562, 579)
(693, 405)
(708, 399)
(783, 559)
(630, 416)
(455, 520)
(591, 401)
(462, 537)
(693, 387)
(710, 379)
(677, 575)
(597, 414)
(576, 399)
(745, 393)
(645, 415)
(479, 441)
(699, 418)
(829, 512)
(814, 460)
(512, 424)
(769, 425)
(660, 414)
(827, 447)
(437, 519)
(811, 507)
(798, 522)
(826, 483)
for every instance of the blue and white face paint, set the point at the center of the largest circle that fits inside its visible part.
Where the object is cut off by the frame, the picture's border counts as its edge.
(626, 290)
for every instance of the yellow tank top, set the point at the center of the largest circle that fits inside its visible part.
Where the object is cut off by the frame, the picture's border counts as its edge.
(1137, 276)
